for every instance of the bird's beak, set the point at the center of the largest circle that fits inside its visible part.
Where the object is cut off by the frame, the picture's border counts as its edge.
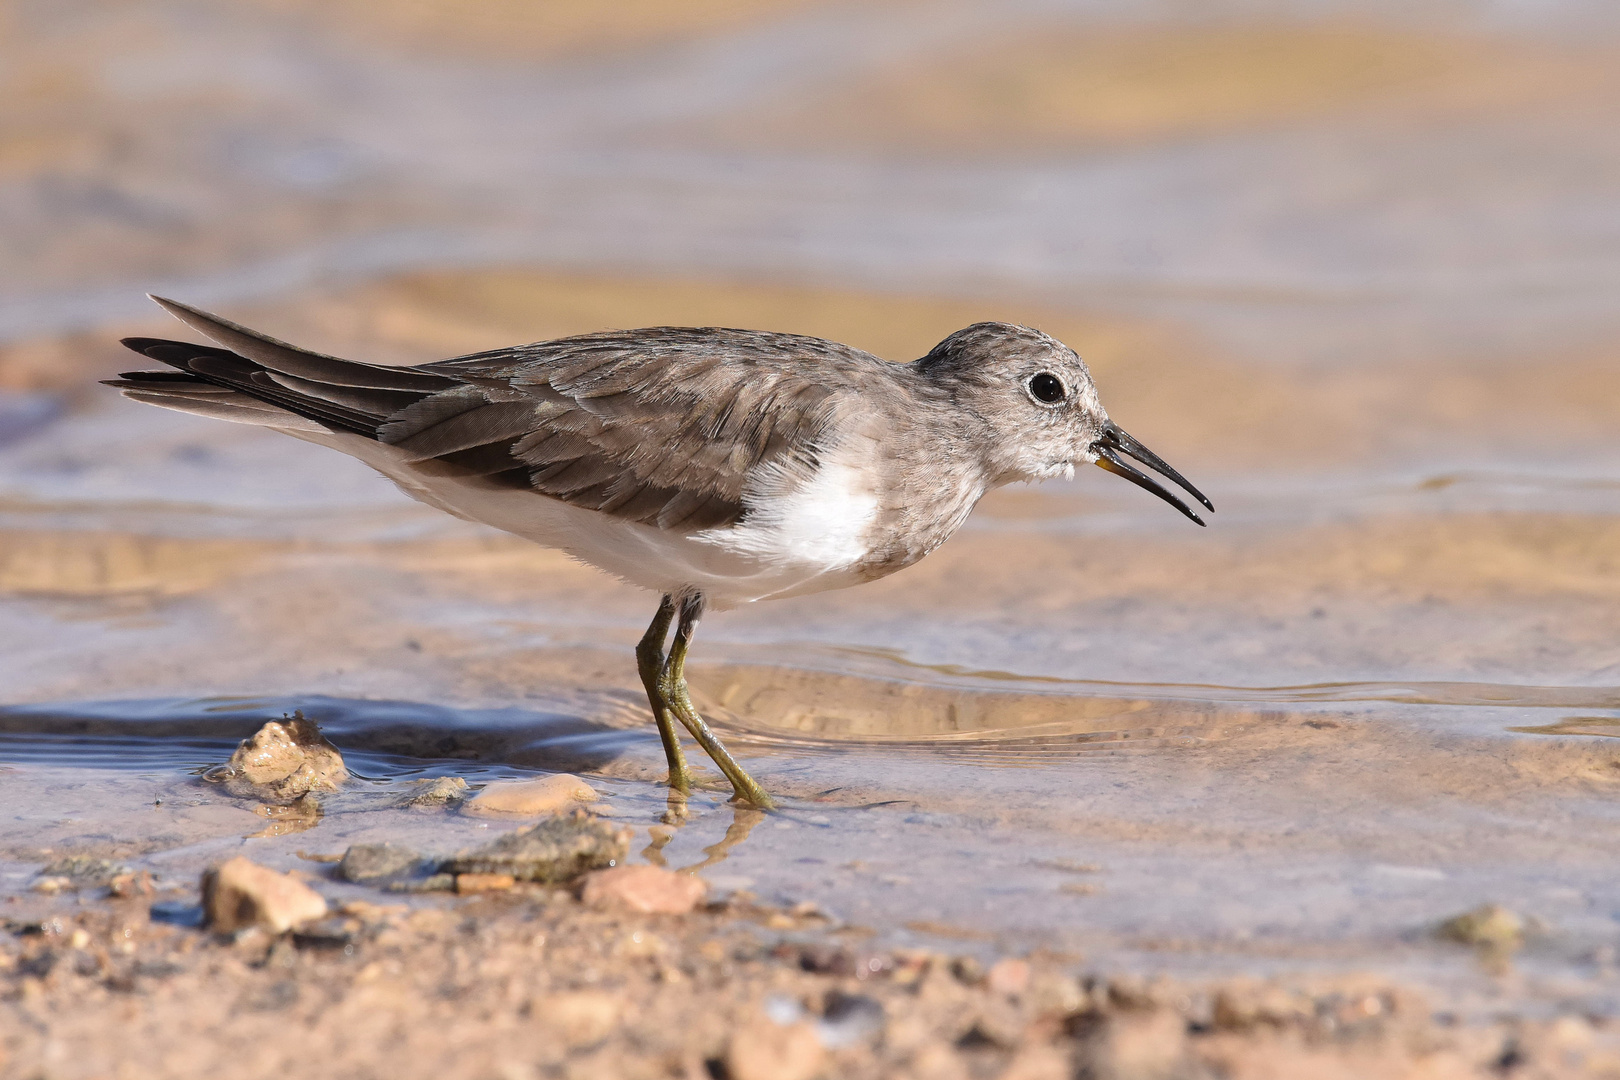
(1115, 441)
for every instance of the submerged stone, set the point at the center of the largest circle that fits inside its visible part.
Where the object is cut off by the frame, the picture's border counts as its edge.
(554, 851)
(376, 864)
(436, 793)
(1490, 926)
(84, 871)
(530, 798)
(431, 883)
(282, 762)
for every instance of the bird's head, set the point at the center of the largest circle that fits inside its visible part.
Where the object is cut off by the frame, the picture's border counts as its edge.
(1039, 407)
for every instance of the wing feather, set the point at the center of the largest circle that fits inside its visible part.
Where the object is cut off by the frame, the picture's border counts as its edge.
(501, 422)
(663, 426)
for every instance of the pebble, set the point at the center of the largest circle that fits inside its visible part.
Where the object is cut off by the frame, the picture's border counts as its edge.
(849, 1020)
(650, 890)
(1242, 1004)
(83, 872)
(378, 863)
(1008, 977)
(765, 1050)
(1139, 1043)
(557, 850)
(431, 883)
(1488, 927)
(481, 883)
(530, 798)
(134, 883)
(433, 794)
(580, 1019)
(1039, 1062)
(239, 894)
(967, 970)
(284, 760)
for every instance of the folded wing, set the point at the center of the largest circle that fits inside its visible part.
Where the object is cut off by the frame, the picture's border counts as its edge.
(662, 426)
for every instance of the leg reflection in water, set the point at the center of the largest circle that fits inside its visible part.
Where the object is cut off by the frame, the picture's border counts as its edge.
(743, 820)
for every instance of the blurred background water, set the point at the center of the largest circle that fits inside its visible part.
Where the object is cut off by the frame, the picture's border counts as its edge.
(1350, 266)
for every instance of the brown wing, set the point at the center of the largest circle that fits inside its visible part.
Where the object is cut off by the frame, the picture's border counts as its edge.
(660, 426)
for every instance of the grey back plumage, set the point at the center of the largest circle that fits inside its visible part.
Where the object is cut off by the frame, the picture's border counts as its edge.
(661, 426)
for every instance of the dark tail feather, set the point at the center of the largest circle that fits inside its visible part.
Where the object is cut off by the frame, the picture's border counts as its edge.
(301, 363)
(221, 368)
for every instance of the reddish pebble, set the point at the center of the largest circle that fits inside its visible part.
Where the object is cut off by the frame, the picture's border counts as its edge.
(477, 883)
(763, 1050)
(239, 893)
(1008, 977)
(650, 890)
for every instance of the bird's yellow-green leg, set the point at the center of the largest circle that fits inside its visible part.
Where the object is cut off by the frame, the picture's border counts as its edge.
(650, 662)
(673, 686)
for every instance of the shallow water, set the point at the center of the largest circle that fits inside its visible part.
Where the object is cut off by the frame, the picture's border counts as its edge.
(1376, 326)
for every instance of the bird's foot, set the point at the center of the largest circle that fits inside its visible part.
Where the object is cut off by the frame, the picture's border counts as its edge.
(744, 788)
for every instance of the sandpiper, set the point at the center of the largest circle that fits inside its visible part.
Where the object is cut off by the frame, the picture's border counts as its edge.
(715, 467)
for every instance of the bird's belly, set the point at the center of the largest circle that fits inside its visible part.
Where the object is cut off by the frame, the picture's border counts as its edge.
(657, 559)
(720, 563)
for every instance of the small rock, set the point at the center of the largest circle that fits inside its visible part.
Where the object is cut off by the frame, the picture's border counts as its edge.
(1134, 992)
(1056, 996)
(467, 884)
(998, 1023)
(431, 883)
(285, 760)
(826, 958)
(84, 872)
(134, 883)
(765, 1050)
(967, 970)
(438, 792)
(1488, 927)
(554, 851)
(1242, 1004)
(1142, 1044)
(580, 1019)
(1038, 1062)
(51, 885)
(650, 890)
(1008, 977)
(849, 1020)
(370, 864)
(911, 965)
(530, 798)
(239, 894)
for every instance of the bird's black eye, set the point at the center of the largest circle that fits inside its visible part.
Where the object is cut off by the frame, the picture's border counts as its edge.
(1047, 388)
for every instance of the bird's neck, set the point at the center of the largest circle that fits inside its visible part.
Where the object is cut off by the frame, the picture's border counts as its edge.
(928, 476)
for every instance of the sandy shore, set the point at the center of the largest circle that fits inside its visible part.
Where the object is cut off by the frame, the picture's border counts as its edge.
(532, 984)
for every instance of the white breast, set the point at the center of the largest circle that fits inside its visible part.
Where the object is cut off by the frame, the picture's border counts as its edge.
(821, 525)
